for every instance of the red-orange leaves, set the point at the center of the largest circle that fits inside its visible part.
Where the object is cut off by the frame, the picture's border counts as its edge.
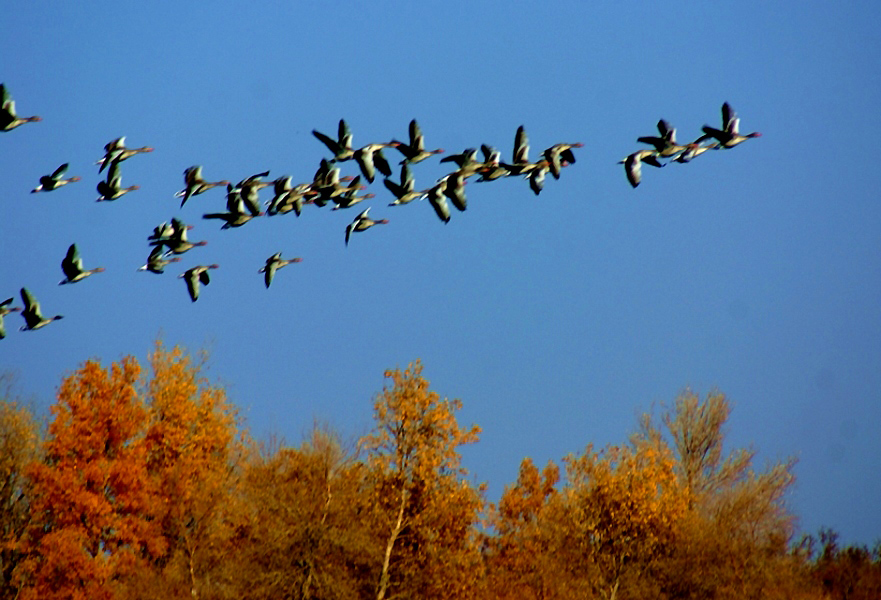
(91, 495)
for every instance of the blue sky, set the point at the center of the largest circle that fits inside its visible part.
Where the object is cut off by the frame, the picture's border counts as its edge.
(557, 319)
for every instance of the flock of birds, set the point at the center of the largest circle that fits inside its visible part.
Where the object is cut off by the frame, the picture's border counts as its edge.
(665, 145)
(169, 240)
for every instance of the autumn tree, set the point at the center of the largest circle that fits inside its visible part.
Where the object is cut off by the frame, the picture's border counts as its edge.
(19, 437)
(838, 572)
(192, 452)
(309, 531)
(428, 511)
(520, 564)
(91, 492)
(618, 515)
(735, 540)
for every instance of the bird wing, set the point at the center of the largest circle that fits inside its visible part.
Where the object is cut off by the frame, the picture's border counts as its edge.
(568, 155)
(60, 171)
(31, 310)
(344, 134)
(521, 147)
(407, 180)
(192, 175)
(192, 284)
(417, 141)
(664, 128)
(328, 141)
(537, 178)
(394, 188)
(728, 117)
(254, 178)
(456, 194)
(114, 174)
(365, 161)
(269, 270)
(652, 160)
(439, 203)
(633, 167)
(381, 163)
(72, 265)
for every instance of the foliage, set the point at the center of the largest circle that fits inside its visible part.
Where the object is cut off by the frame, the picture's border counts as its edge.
(19, 439)
(193, 456)
(427, 509)
(845, 573)
(91, 496)
(619, 514)
(734, 542)
(519, 558)
(147, 487)
(309, 523)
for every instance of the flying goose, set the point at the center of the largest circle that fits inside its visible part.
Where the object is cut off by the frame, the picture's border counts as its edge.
(633, 164)
(195, 276)
(273, 263)
(115, 152)
(370, 158)
(54, 181)
(111, 188)
(560, 155)
(665, 144)
(729, 136)
(9, 120)
(415, 151)
(405, 191)
(5, 309)
(33, 317)
(157, 261)
(340, 147)
(361, 223)
(194, 184)
(72, 265)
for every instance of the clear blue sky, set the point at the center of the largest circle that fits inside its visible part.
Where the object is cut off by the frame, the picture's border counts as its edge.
(557, 319)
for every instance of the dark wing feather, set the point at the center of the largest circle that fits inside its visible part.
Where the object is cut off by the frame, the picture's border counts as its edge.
(394, 188)
(521, 146)
(60, 171)
(728, 116)
(331, 143)
(71, 265)
(381, 163)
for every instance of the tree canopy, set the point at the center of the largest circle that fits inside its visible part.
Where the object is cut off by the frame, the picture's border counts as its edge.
(146, 484)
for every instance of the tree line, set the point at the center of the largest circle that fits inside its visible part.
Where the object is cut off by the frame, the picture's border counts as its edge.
(144, 483)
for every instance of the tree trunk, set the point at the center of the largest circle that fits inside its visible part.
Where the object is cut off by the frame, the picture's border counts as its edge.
(614, 592)
(396, 530)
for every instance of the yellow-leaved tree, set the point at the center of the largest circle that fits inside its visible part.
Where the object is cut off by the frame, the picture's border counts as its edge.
(618, 516)
(427, 510)
(735, 539)
(309, 531)
(19, 439)
(193, 453)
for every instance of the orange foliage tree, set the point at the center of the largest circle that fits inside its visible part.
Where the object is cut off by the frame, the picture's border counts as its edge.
(193, 456)
(91, 495)
(519, 560)
(428, 511)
